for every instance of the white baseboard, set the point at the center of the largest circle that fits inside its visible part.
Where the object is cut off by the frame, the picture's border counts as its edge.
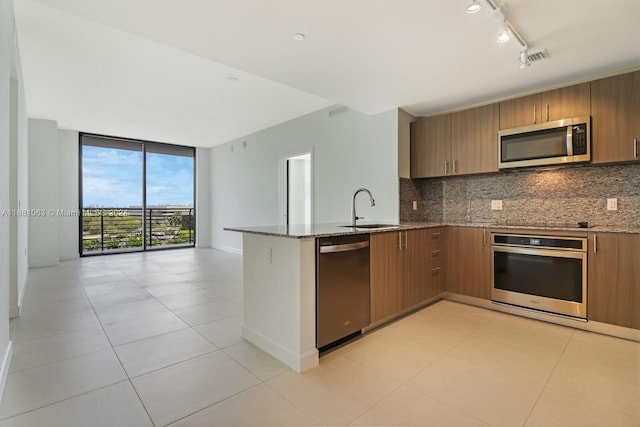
(14, 311)
(227, 249)
(5, 368)
(299, 362)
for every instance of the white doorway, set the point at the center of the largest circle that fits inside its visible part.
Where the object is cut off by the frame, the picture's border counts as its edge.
(297, 186)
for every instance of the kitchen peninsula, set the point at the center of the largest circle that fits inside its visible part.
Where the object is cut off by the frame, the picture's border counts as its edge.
(412, 265)
(280, 287)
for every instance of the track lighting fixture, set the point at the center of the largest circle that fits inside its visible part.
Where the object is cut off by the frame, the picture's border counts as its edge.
(473, 6)
(525, 62)
(503, 36)
(507, 31)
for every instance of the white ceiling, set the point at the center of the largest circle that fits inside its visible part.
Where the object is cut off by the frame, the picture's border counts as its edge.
(159, 69)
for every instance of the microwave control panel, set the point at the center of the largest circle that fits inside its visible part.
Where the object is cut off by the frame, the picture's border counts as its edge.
(579, 140)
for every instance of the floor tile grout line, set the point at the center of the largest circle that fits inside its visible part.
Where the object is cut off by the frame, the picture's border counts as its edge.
(121, 364)
(289, 401)
(545, 385)
(66, 399)
(188, 326)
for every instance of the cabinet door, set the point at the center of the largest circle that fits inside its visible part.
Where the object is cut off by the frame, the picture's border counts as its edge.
(566, 102)
(430, 150)
(474, 140)
(563, 103)
(434, 270)
(386, 266)
(615, 108)
(521, 111)
(468, 262)
(613, 285)
(415, 267)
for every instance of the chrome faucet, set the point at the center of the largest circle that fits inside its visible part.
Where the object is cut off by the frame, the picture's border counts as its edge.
(354, 217)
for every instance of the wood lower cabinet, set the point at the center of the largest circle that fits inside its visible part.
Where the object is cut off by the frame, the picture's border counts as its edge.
(435, 268)
(402, 270)
(386, 272)
(613, 294)
(556, 104)
(468, 262)
(615, 128)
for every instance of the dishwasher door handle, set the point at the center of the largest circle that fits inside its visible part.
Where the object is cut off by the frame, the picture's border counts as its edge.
(343, 248)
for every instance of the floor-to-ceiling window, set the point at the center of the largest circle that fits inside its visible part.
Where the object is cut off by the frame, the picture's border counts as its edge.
(135, 195)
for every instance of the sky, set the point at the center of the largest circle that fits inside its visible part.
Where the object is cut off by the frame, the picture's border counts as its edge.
(113, 178)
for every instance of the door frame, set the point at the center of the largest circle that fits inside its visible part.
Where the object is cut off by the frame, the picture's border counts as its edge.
(284, 187)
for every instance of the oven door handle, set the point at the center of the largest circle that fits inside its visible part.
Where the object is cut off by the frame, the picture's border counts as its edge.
(539, 252)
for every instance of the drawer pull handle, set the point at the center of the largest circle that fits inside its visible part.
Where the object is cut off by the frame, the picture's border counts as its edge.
(435, 253)
(435, 270)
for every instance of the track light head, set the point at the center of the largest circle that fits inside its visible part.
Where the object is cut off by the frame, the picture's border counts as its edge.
(473, 6)
(524, 59)
(504, 35)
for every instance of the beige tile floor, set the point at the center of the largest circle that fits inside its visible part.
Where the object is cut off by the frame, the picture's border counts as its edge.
(154, 339)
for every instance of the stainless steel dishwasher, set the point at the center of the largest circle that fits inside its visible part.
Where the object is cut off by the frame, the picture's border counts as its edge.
(342, 288)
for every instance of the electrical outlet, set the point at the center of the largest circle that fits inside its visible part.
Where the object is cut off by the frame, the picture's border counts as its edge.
(612, 204)
(267, 255)
(415, 205)
(496, 205)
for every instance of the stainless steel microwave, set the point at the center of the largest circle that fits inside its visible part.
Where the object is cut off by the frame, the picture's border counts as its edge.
(551, 143)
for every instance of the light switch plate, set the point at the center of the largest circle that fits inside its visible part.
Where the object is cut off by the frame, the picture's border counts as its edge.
(496, 205)
(612, 204)
(415, 205)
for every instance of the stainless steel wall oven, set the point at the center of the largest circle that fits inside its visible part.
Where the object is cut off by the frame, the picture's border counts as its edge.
(547, 273)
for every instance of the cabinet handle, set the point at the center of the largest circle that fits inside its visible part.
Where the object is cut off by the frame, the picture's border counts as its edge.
(406, 239)
(595, 243)
(455, 166)
(435, 236)
(435, 270)
(535, 118)
(435, 253)
(446, 169)
(547, 112)
(635, 148)
(400, 239)
(484, 237)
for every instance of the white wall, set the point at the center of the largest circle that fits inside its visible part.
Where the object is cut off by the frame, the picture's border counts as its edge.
(203, 204)
(11, 106)
(68, 246)
(350, 150)
(22, 254)
(43, 193)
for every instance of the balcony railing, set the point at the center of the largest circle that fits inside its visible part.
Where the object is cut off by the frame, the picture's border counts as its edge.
(106, 230)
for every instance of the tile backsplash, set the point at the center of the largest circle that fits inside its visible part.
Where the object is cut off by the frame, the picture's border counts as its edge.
(555, 196)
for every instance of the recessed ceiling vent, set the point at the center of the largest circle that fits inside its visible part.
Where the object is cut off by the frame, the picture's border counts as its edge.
(538, 55)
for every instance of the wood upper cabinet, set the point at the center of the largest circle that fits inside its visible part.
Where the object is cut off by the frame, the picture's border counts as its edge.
(460, 143)
(613, 287)
(563, 103)
(430, 146)
(615, 111)
(468, 262)
(474, 140)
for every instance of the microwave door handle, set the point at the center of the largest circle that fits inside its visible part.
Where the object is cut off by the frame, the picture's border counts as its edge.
(569, 140)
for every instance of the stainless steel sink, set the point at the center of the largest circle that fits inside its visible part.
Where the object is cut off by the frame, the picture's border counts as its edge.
(372, 226)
